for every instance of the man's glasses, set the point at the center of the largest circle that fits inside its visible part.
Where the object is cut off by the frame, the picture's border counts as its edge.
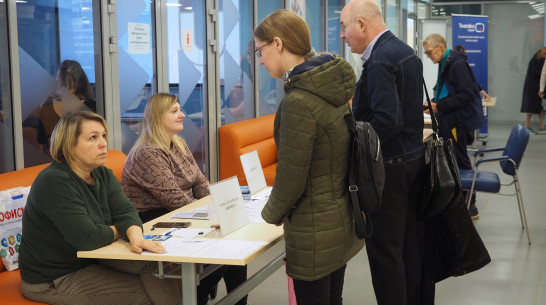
(429, 52)
(258, 51)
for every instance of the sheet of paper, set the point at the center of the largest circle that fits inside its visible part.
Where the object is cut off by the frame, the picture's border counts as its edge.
(254, 209)
(185, 246)
(199, 213)
(263, 194)
(230, 249)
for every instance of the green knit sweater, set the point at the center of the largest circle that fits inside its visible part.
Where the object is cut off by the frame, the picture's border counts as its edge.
(64, 214)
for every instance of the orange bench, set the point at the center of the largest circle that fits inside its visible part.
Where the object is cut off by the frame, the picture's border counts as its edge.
(10, 281)
(242, 137)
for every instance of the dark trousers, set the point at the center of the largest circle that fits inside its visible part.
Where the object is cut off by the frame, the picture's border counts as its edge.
(326, 291)
(394, 248)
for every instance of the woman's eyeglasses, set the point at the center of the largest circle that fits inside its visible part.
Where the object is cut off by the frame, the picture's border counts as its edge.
(258, 51)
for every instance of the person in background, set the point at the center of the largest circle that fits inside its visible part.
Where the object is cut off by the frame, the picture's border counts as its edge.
(310, 195)
(486, 97)
(457, 103)
(71, 80)
(161, 175)
(531, 103)
(389, 95)
(77, 204)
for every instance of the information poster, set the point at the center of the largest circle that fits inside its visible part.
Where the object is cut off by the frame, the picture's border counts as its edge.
(470, 31)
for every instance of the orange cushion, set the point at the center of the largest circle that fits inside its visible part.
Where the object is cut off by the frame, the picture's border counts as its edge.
(22, 177)
(10, 289)
(115, 161)
(243, 137)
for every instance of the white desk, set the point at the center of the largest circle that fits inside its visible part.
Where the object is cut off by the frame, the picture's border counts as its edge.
(191, 265)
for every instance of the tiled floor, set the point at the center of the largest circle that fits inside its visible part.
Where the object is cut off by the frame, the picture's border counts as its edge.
(517, 273)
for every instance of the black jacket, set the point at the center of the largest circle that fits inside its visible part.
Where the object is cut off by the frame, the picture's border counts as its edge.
(462, 107)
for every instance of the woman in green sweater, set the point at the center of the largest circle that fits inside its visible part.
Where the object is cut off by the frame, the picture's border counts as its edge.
(77, 204)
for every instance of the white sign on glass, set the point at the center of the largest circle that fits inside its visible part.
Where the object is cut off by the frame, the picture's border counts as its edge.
(139, 38)
(253, 171)
(229, 205)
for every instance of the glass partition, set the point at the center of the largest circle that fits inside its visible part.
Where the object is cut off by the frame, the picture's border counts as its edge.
(49, 33)
(270, 90)
(236, 47)
(526, 36)
(335, 44)
(186, 36)
(136, 65)
(392, 16)
(314, 16)
(7, 161)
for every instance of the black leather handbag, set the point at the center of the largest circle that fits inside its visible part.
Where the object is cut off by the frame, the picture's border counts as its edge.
(442, 184)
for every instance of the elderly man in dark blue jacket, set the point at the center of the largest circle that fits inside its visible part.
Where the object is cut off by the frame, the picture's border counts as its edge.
(389, 94)
(457, 102)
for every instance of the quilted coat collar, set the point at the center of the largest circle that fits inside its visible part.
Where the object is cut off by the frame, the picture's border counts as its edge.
(327, 76)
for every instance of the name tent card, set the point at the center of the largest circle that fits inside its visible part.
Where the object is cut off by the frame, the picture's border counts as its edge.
(253, 171)
(229, 204)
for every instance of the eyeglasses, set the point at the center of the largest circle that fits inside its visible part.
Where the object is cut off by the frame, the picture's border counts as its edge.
(258, 51)
(429, 52)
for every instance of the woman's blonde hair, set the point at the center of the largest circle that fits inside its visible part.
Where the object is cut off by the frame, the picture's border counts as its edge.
(290, 28)
(153, 132)
(540, 53)
(64, 137)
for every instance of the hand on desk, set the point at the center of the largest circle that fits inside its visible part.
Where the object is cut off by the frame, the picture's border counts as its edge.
(138, 243)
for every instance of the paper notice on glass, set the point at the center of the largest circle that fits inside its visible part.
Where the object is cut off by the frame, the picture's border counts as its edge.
(253, 171)
(229, 204)
(229, 249)
(199, 213)
(139, 38)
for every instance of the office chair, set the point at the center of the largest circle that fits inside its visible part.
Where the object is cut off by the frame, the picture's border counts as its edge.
(483, 181)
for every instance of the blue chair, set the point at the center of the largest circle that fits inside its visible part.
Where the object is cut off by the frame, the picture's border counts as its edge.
(482, 181)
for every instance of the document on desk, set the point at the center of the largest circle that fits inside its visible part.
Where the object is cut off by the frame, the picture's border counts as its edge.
(190, 232)
(229, 249)
(199, 213)
(254, 209)
(210, 248)
(184, 246)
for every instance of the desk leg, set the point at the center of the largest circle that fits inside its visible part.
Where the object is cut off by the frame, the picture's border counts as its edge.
(189, 284)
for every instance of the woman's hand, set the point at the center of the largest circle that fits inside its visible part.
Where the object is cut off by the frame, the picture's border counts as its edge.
(138, 243)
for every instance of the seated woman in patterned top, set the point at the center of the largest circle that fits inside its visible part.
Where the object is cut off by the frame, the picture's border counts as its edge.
(161, 175)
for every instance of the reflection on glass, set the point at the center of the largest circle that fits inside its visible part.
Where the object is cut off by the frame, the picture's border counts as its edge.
(335, 44)
(314, 12)
(7, 161)
(392, 16)
(236, 60)
(270, 90)
(187, 65)
(49, 34)
(135, 41)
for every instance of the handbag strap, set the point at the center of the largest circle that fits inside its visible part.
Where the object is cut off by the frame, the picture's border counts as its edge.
(432, 116)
